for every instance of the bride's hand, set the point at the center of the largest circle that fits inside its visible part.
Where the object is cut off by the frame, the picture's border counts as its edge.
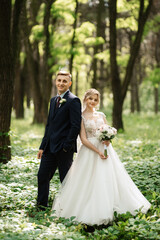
(102, 156)
(107, 142)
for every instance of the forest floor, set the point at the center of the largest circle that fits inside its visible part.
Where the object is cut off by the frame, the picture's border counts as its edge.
(138, 148)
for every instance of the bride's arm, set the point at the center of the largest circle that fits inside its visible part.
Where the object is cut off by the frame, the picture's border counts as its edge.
(87, 143)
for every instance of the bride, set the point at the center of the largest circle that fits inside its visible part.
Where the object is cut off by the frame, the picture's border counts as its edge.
(96, 186)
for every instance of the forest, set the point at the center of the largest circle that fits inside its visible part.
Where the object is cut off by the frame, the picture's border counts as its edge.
(110, 45)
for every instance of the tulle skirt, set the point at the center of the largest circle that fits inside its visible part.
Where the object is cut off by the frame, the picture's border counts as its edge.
(94, 189)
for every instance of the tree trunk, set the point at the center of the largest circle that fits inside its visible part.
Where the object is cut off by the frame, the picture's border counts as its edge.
(34, 74)
(135, 104)
(116, 83)
(98, 79)
(94, 66)
(156, 100)
(120, 91)
(47, 77)
(6, 79)
(18, 81)
(117, 115)
(138, 106)
(73, 41)
(27, 90)
(157, 57)
(101, 82)
(33, 69)
(76, 90)
(15, 28)
(18, 105)
(132, 96)
(19, 92)
(143, 15)
(101, 97)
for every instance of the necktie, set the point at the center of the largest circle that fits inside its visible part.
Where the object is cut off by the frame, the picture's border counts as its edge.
(58, 100)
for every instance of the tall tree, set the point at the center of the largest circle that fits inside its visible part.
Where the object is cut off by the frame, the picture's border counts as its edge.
(100, 32)
(16, 44)
(6, 79)
(33, 60)
(73, 38)
(120, 89)
(47, 76)
(157, 57)
(134, 85)
(38, 57)
(8, 54)
(19, 87)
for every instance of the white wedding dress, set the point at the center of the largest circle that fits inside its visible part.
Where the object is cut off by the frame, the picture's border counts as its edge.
(94, 189)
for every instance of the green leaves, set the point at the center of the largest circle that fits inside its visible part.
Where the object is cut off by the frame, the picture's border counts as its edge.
(92, 41)
(37, 33)
(154, 77)
(128, 14)
(152, 25)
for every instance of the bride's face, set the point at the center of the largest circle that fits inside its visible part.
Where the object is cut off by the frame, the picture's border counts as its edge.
(92, 101)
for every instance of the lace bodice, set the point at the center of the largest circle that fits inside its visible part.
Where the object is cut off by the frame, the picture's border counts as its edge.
(92, 124)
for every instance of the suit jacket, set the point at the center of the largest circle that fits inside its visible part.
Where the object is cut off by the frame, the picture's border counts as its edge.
(63, 125)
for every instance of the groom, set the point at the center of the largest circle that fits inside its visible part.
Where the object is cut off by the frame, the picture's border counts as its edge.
(59, 141)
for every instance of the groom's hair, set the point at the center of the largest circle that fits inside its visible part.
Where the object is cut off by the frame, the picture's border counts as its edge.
(65, 74)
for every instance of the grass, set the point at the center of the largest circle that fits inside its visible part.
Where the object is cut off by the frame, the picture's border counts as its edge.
(139, 149)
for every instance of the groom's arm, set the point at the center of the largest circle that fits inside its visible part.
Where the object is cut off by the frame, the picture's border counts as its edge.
(75, 122)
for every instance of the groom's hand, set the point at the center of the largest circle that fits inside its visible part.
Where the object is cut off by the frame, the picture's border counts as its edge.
(39, 155)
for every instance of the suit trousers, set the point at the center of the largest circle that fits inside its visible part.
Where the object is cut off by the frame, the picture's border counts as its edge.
(49, 163)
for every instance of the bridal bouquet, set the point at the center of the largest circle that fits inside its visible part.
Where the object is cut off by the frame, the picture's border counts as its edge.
(104, 133)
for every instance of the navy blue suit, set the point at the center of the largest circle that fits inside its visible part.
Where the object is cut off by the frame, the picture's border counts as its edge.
(59, 142)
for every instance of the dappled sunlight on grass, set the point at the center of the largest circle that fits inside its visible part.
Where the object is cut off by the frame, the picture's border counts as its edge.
(142, 126)
(25, 136)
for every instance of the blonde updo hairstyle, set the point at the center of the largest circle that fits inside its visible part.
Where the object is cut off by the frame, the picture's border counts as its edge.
(89, 93)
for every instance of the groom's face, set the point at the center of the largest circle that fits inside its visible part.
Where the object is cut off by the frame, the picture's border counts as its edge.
(63, 83)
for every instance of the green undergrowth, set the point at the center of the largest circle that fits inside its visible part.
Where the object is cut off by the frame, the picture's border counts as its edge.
(139, 150)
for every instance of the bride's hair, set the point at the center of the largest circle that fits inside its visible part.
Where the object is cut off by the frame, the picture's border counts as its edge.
(89, 93)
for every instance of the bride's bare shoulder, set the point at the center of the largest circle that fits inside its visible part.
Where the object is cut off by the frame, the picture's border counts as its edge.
(101, 114)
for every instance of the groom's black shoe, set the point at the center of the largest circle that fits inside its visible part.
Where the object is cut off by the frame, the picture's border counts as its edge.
(41, 207)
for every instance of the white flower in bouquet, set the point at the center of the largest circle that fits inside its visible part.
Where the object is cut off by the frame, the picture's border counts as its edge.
(106, 132)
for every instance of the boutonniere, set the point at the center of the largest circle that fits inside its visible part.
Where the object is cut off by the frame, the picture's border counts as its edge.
(62, 101)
